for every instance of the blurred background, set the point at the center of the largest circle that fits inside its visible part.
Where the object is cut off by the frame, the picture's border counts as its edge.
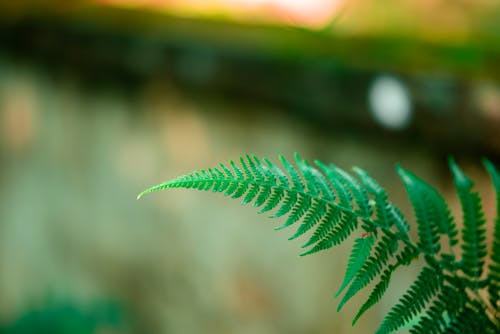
(101, 99)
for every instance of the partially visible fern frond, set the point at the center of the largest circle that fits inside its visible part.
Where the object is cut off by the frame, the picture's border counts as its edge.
(329, 204)
(359, 254)
(377, 293)
(373, 266)
(426, 286)
(494, 267)
(427, 215)
(471, 319)
(436, 318)
(473, 233)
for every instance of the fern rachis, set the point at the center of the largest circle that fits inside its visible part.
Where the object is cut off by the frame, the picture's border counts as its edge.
(451, 294)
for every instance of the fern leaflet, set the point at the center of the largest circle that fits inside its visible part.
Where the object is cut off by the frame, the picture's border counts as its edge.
(494, 267)
(473, 234)
(423, 289)
(359, 255)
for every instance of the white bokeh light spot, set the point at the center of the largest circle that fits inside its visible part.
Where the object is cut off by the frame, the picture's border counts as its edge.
(390, 102)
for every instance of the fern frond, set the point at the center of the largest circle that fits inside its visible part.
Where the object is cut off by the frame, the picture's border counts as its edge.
(340, 186)
(386, 214)
(372, 186)
(297, 183)
(359, 254)
(315, 181)
(425, 287)
(274, 176)
(239, 180)
(359, 193)
(432, 322)
(396, 218)
(494, 267)
(328, 223)
(407, 255)
(376, 294)
(303, 193)
(267, 177)
(289, 202)
(442, 215)
(427, 217)
(312, 217)
(384, 248)
(473, 233)
(298, 210)
(471, 319)
(443, 309)
(337, 232)
(331, 204)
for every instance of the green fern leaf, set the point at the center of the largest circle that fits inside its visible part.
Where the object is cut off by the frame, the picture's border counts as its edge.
(426, 286)
(384, 249)
(471, 319)
(439, 314)
(473, 233)
(241, 185)
(254, 176)
(407, 255)
(273, 195)
(267, 177)
(289, 202)
(442, 215)
(255, 168)
(278, 174)
(494, 267)
(340, 186)
(339, 224)
(311, 182)
(370, 183)
(338, 233)
(298, 210)
(297, 183)
(376, 294)
(228, 174)
(387, 215)
(328, 223)
(427, 218)
(274, 199)
(303, 193)
(359, 254)
(396, 218)
(312, 217)
(358, 192)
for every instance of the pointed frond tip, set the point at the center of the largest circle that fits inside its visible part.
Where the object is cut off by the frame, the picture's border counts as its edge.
(158, 187)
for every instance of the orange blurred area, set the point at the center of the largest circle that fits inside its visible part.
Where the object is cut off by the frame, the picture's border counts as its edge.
(312, 13)
(439, 20)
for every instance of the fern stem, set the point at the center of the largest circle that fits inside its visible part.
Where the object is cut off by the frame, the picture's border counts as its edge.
(177, 183)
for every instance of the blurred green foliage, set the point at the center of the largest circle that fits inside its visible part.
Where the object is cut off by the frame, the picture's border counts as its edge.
(67, 318)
